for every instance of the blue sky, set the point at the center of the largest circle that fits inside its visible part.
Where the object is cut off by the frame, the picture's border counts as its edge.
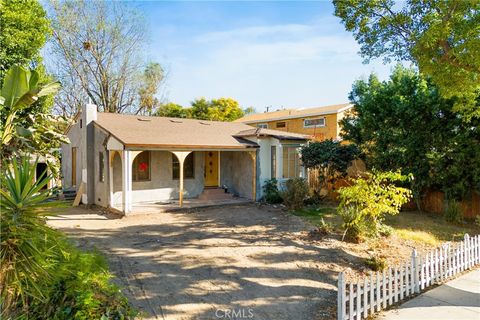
(279, 54)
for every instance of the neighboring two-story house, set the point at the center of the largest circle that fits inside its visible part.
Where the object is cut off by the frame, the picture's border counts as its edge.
(320, 123)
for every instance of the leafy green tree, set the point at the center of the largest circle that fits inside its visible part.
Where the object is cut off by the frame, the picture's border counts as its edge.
(405, 124)
(441, 37)
(172, 110)
(151, 79)
(24, 30)
(330, 158)
(223, 109)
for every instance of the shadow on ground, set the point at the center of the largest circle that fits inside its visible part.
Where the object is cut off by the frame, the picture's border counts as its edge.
(200, 265)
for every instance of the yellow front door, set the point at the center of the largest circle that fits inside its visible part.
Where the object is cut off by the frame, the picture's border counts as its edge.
(211, 169)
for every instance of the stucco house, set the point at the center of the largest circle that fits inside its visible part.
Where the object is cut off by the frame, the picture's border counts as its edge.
(320, 123)
(121, 160)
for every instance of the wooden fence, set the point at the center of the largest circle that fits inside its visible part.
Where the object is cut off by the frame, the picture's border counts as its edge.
(376, 292)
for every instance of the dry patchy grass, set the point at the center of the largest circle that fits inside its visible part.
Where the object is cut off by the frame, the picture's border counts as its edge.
(410, 230)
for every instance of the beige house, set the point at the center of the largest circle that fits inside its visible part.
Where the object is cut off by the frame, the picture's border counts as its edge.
(320, 123)
(122, 160)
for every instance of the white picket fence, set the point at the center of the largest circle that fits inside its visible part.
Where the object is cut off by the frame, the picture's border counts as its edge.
(380, 290)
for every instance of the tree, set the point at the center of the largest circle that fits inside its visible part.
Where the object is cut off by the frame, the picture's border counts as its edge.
(330, 158)
(441, 37)
(222, 109)
(24, 31)
(405, 124)
(36, 133)
(96, 54)
(151, 79)
(172, 110)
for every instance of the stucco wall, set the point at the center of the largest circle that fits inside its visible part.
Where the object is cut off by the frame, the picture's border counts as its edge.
(101, 188)
(75, 137)
(236, 172)
(161, 186)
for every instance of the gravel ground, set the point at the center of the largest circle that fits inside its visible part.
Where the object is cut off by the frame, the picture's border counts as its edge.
(235, 262)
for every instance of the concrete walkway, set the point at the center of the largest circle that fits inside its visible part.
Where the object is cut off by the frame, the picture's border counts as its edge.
(458, 299)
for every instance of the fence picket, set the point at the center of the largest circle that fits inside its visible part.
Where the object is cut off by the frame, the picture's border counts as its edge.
(365, 298)
(378, 293)
(395, 285)
(407, 283)
(440, 257)
(422, 274)
(465, 250)
(384, 290)
(432, 268)
(401, 282)
(341, 296)
(390, 279)
(372, 299)
(370, 295)
(350, 301)
(358, 312)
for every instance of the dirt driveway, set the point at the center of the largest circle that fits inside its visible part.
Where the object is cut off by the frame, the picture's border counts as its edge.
(240, 262)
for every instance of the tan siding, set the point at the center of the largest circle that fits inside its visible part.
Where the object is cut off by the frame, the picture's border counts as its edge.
(330, 131)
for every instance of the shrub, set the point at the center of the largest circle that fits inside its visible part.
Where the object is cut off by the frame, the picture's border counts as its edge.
(376, 263)
(43, 276)
(296, 191)
(81, 289)
(369, 199)
(270, 189)
(353, 227)
(384, 230)
(452, 212)
(477, 220)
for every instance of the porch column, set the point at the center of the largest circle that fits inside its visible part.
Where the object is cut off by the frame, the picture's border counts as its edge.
(126, 181)
(253, 155)
(111, 155)
(181, 155)
(279, 173)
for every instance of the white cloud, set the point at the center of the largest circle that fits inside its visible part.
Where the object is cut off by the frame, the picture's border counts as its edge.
(279, 65)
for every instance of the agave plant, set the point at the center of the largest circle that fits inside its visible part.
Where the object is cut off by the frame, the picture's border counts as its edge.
(26, 243)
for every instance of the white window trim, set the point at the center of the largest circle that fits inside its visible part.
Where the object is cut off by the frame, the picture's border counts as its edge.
(315, 125)
(262, 125)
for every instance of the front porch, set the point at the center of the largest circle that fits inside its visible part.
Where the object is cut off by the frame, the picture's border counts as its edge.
(188, 204)
(159, 180)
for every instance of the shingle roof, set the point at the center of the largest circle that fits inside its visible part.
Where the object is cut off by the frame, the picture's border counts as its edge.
(281, 135)
(132, 130)
(294, 113)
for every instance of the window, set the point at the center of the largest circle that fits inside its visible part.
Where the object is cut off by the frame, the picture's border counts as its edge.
(188, 167)
(74, 166)
(281, 124)
(291, 162)
(101, 167)
(273, 162)
(141, 167)
(314, 123)
(262, 125)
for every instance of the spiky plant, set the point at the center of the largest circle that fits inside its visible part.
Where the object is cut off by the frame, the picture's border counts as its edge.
(27, 244)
